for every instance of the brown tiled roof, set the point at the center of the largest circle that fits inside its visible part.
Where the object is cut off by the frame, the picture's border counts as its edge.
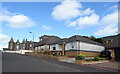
(82, 39)
(115, 43)
(49, 40)
(77, 38)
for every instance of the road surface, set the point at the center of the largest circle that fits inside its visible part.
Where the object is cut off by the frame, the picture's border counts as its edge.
(23, 63)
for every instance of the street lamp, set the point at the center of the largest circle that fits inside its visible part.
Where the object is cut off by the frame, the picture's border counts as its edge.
(63, 51)
(33, 40)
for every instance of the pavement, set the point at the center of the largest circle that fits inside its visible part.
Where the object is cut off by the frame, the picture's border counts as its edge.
(69, 60)
(113, 65)
(23, 63)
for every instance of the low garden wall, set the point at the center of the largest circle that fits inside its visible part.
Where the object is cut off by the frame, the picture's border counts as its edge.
(82, 59)
(90, 62)
(46, 56)
(74, 53)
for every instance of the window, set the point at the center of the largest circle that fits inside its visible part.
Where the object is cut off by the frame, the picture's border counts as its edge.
(54, 48)
(10, 47)
(11, 43)
(106, 41)
(41, 39)
(17, 47)
(72, 46)
(24, 45)
(30, 45)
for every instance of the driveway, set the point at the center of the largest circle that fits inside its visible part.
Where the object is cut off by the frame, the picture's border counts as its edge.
(113, 65)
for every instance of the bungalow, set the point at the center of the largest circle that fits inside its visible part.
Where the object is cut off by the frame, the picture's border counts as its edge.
(112, 43)
(76, 45)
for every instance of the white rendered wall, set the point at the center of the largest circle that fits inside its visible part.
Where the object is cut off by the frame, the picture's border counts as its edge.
(69, 45)
(83, 46)
(90, 47)
(36, 48)
(58, 48)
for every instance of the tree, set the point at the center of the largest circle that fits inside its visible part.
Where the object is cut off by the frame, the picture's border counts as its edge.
(99, 40)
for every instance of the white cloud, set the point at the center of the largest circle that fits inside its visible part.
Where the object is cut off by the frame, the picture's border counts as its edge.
(86, 21)
(69, 10)
(88, 11)
(15, 20)
(114, 7)
(45, 27)
(66, 10)
(4, 41)
(79, 18)
(109, 24)
(110, 19)
(107, 30)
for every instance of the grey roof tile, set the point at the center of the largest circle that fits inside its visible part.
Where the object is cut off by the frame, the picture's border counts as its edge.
(115, 43)
(11, 40)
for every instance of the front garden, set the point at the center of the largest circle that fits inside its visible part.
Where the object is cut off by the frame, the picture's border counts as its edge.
(80, 58)
(83, 59)
(47, 54)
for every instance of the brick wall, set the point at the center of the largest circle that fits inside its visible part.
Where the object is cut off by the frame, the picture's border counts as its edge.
(87, 53)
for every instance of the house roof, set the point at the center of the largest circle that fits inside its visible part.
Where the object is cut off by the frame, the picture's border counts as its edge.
(82, 39)
(61, 41)
(77, 38)
(17, 41)
(115, 43)
(48, 40)
(11, 40)
(23, 41)
(35, 44)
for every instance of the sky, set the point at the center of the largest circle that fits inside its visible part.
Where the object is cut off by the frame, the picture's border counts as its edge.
(63, 19)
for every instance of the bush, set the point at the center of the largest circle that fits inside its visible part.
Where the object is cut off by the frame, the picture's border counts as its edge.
(80, 57)
(96, 58)
(46, 53)
(54, 54)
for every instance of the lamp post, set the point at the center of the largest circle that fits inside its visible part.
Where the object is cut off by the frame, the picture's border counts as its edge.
(33, 41)
(63, 51)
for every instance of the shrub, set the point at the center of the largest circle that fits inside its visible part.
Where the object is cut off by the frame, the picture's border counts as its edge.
(54, 54)
(96, 58)
(80, 57)
(46, 52)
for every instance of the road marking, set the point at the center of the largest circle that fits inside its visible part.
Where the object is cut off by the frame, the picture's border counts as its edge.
(102, 68)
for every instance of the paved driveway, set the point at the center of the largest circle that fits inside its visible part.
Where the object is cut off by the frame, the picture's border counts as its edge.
(109, 65)
(24, 63)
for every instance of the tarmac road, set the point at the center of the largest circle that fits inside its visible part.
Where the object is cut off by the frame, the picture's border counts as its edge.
(23, 63)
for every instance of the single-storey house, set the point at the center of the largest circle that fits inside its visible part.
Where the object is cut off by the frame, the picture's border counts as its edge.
(112, 43)
(76, 45)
